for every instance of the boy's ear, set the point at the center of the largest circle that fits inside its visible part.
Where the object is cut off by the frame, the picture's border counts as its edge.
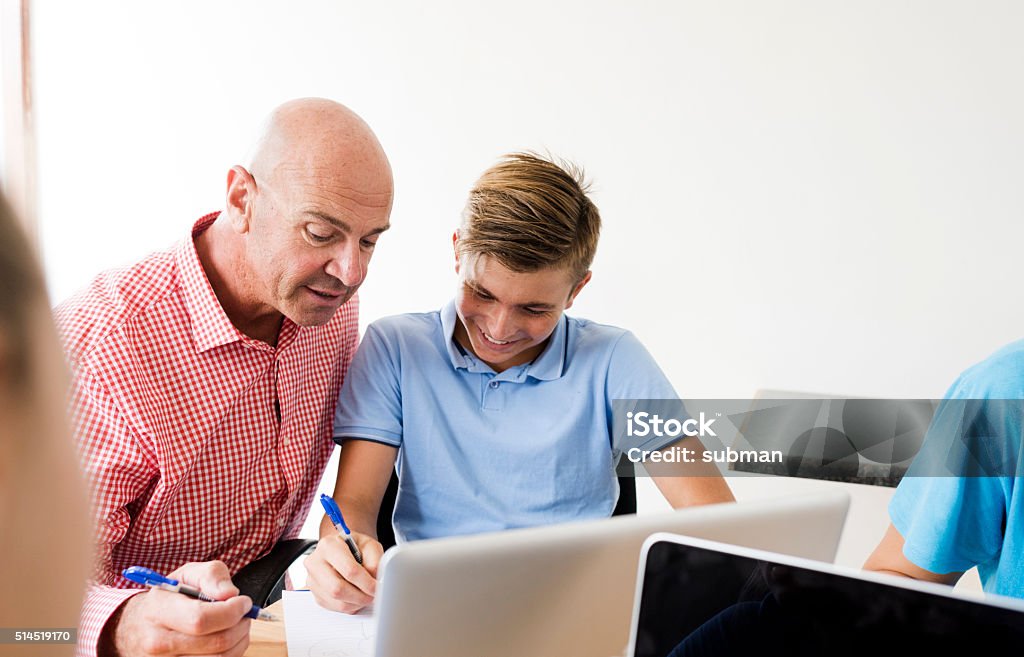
(455, 247)
(576, 290)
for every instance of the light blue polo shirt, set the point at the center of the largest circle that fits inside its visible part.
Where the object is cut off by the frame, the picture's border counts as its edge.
(483, 451)
(951, 524)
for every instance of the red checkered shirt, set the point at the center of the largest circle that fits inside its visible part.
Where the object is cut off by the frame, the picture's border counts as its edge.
(199, 442)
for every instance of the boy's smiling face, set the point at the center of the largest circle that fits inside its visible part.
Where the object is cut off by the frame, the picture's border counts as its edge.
(506, 317)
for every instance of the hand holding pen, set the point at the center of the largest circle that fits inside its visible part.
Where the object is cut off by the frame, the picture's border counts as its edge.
(155, 580)
(342, 571)
(334, 513)
(161, 622)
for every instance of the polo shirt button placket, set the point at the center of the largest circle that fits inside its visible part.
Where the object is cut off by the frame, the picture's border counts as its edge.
(491, 397)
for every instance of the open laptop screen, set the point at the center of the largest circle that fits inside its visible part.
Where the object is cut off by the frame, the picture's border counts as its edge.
(696, 601)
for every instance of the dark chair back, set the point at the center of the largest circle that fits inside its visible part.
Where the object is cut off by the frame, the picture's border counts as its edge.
(263, 579)
(385, 532)
(627, 497)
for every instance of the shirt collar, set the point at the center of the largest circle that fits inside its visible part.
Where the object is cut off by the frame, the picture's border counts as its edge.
(210, 324)
(448, 319)
(549, 365)
(551, 362)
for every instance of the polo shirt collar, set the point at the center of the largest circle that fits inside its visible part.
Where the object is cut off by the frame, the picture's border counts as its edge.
(549, 365)
(210, 324)
(448, 319)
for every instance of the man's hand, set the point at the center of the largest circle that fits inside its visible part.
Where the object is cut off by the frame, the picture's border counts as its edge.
(164, 623)
(336, 580)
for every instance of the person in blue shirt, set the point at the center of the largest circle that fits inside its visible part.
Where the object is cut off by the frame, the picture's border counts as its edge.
(498, 407)
(962, 504)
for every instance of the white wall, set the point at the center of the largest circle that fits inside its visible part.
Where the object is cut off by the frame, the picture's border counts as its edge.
(808, 195)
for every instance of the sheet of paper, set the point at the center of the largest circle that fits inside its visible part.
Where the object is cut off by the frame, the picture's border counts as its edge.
(313, 631)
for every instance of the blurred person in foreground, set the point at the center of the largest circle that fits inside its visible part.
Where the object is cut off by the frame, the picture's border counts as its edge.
(44, 529)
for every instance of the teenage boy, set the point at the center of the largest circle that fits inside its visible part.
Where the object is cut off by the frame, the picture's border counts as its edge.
(498, 407)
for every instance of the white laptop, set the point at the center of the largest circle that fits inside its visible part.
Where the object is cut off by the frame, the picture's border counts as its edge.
(565, 590)
(701, 598)
(561, 590)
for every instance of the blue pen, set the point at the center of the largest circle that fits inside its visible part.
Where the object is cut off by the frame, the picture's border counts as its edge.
(334, 513)
(155, 580)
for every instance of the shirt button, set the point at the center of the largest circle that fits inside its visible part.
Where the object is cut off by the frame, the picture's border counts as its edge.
(493, 384)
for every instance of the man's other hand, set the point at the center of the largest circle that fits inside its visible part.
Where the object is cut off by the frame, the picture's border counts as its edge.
(163, 623)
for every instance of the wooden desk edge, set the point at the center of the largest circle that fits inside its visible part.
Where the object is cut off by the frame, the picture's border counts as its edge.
(267, 639)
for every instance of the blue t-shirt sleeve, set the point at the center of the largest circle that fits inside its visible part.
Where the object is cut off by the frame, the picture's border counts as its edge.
(633, 374)
(951, 522)
(370, 404)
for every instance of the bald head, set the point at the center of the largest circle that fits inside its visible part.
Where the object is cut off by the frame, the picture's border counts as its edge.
(301, 219)
(321, 138)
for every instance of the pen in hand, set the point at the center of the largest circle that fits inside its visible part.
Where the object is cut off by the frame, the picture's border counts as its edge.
(155, 580)
(334, 513)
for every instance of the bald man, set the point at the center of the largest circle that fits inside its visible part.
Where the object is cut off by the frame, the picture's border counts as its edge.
(205, 379)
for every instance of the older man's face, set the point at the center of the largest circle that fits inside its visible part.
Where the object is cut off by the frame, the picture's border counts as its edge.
(313, 234)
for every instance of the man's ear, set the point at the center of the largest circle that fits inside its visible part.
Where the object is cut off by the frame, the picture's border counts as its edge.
(576, 290)
(241, 190)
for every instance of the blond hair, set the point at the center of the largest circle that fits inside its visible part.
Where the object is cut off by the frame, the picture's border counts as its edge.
(529, 213)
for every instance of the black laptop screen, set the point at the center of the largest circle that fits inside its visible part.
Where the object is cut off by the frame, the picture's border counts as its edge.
(697, 602)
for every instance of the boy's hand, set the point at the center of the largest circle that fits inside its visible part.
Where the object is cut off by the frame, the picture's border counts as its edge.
(336, 580)
(163, 623)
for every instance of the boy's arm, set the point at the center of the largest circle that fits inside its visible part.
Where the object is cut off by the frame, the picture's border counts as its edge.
(634, 375)
(364, 471)
(690, 484)
(689, 490)
(888, 558)
(336, 580)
